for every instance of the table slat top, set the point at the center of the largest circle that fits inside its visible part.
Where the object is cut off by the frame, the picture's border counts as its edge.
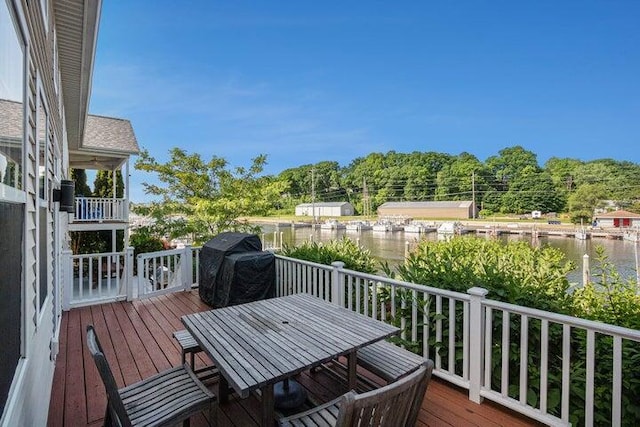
(268, 340)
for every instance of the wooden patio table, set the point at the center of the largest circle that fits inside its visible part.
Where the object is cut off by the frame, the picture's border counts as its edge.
(258, 344)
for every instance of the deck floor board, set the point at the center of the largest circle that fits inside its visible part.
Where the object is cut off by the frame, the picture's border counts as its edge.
(137, 340)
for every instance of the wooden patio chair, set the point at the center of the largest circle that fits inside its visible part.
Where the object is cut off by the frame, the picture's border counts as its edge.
(162, 400)
(396, 404)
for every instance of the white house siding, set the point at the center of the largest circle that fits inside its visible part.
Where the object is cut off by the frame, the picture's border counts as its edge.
(29, 396)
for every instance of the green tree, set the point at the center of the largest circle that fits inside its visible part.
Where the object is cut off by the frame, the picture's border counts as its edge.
(509, 164)
(203, 198)
(456, 181)
(79, 176)
(103, 184)
(532, 190)
(584, 200)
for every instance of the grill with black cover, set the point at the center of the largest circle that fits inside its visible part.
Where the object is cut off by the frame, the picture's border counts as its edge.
(234, 270)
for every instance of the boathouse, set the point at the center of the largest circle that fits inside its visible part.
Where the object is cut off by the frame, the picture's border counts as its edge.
(459, 209)
(618, 219)
(325, 209)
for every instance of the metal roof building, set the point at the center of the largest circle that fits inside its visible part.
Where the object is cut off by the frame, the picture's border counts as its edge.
(459, 209)
(325, 209)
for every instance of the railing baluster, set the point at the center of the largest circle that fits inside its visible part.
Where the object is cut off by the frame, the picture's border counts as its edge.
(591, 343)
(488, 346)
(524, 358)
(465, 340)
(566, 366)
(425, 323)
(616, 383)
(452, 336)
(438, 361)
(505, 346)
(544, 364)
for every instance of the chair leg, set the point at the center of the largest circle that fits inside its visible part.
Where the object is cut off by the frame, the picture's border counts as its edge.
(186, 423)
(108, 422)
(213, 414)
(193, 360)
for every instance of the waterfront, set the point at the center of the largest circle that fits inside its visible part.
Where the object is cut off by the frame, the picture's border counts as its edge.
(391, 247)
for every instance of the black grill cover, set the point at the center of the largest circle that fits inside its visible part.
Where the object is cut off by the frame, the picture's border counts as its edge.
(234, 270)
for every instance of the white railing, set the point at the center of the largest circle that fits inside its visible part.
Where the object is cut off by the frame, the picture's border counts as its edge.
(91, 209)
(96, 278)
(531, 361)
(164, 272)
(486, 346)
(293, 277)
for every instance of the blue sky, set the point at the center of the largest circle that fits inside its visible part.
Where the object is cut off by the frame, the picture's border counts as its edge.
(305, 81)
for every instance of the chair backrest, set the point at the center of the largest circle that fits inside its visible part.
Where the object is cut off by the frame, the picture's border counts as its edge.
(396, 404)
(114, 405)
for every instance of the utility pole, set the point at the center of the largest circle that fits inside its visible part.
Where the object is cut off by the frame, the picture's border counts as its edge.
(366, 204)
(313, 194)
(473, 192)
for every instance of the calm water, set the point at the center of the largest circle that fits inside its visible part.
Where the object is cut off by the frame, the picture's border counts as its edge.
(391, 246)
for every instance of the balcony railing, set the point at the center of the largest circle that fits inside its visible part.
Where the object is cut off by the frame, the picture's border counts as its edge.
(99, 209)
(479, 344)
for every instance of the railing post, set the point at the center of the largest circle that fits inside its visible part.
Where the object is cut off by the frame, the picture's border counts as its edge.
(67, 291)
(187, 268)
(128, 262)
(476, 342)
(141, 275)
(337, 284)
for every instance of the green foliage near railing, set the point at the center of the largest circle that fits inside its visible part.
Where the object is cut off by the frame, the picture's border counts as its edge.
(520, 274)
(514, 272)
(354, 257)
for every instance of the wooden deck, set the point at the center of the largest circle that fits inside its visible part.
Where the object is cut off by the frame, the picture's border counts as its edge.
(137, 339)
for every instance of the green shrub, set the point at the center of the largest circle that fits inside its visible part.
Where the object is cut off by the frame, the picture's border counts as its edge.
(514, 272)
(354, 257)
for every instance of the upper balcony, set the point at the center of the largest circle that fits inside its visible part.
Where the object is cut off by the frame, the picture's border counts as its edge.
(108, 144)
(89, 210)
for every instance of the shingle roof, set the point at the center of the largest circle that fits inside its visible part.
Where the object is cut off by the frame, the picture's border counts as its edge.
(101, 133)
(618, 214)
(10, 119)
(108, 133)
(428, 205)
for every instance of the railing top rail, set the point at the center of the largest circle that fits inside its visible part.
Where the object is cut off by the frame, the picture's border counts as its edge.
(600, 327)
(149, 255)
(413, 286)
(309, 263)
(101, 254)
(100, 198)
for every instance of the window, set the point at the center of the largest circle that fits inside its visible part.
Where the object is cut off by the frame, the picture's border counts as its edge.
(12, 207)
(11, 224)
(44, 234)
(11, 101)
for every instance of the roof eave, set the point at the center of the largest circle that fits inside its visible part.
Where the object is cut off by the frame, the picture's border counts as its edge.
(76, 19)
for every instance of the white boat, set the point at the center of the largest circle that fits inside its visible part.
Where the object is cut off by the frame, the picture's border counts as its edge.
(332, 224)
(358, 226)
(451, 228)
(419, 227)
(581, 234)
(631, 235)
(386, 226)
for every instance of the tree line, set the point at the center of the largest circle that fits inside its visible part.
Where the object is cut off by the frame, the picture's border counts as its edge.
(199, 197)
(511, 181)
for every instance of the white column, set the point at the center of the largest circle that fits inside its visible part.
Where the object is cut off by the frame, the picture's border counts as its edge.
(337, 284)
(68, 279)
(586, 270)
(187, 268)
(476, 342)
(129, 283)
